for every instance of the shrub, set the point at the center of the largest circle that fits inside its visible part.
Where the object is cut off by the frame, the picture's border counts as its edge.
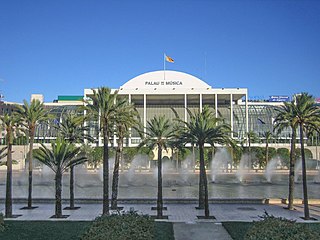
(1, 223)
(284, 155)
(124, 226)
(307, 152)
(279, 228)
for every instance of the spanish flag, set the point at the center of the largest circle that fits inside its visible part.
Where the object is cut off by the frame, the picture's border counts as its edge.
(169, 59)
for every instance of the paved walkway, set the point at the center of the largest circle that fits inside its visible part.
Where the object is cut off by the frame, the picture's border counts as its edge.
(184, 216)
(204, 230)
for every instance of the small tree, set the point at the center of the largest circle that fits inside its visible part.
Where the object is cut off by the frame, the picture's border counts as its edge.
(102, 107)
(159, 133)
(267, 136)
(286, 118)
(59, 158)
(251, 138)
(10, 123)
(203, 128)
(126, 117)
(284, 155)
(30, 115)
(72, 129)
(308, 116)
(3, 154)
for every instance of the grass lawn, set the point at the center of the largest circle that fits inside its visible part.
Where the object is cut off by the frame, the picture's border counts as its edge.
(164, 231)
(238, 230)
(64, 230)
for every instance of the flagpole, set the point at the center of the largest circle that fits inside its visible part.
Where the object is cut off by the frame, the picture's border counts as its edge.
(164, 66)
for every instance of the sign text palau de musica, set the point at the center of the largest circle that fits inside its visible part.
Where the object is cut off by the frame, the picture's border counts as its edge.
(162, 83)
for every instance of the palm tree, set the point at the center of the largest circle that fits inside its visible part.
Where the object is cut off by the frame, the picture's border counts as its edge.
(158, 134)
(125, 119)
(3, 154)
(268, 136)
(308, 116)
(251, 136)
(286, 118)
(72, 129)
(10, 124)
(31, 114)
(102, 106)
(203, 128)
(59, 158)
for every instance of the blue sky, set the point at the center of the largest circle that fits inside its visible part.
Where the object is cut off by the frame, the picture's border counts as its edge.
(61, 47)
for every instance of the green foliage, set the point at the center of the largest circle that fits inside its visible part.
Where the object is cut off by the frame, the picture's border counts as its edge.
(279, 228)
(1, 223)
(307, 151)
(20, 140)
(129, 153)
(272, 152)
(284, 155)
(236, 154)
(208, 156)
(163, 231)
(39, 230)
(146, 151)
(259, 155)
(184, 153)
(60, 156)
(124, 226)
(237, 230)
(96, 155)
(65, 230)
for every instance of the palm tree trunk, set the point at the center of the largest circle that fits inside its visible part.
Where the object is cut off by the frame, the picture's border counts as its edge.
(201, 190)
(30, 155)
(105, 210)
(204, 188)
(267, 152)
(159, 198)
(304, 176)
(58, 207)
(72, 187)
(291, 169)
(115, 179)
(8, 211)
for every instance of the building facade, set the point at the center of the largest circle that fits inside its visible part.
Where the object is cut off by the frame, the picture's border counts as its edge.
(169, 93)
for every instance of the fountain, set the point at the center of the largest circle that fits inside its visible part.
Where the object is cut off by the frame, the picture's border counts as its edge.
(271, 167)
(140, 182)
(111, 166)
(297, 170)
(219, 160)
(243, 169)
(138, 163)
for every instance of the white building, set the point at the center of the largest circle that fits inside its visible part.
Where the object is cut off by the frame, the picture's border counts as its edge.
(167, 92)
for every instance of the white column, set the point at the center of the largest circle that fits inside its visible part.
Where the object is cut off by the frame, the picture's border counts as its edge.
(85, 124)
(231, 114)
(185, 108)
(144, 113)
(247, 114)
(99, 132)
(114, 130)
(200, 105)
(216, 104)
(130, 135)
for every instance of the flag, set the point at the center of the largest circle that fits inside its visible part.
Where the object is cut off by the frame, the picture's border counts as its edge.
(260, 121)
(169, 59)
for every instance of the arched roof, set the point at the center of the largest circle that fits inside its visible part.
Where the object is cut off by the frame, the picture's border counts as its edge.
(165, 79)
